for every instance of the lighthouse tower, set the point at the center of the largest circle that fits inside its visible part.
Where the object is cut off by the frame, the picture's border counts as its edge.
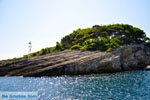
(30, 46)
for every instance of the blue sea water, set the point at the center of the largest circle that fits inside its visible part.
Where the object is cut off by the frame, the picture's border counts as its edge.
(132, 85)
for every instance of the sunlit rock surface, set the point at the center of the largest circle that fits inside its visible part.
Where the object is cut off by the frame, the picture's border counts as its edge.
(128, 57)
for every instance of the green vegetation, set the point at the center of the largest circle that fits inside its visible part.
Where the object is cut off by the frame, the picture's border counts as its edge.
(104, 38)
(99, 37)
(44, 51)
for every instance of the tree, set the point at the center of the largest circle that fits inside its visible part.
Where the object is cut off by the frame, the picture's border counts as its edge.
(99, 37)
(59, 46)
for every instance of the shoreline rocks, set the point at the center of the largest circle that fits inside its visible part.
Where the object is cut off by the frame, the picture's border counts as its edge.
(125, 58)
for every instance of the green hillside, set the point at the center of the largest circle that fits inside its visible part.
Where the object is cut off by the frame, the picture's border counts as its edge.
(99, 37)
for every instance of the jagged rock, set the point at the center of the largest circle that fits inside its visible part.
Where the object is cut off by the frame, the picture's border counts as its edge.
(128, 57)
(133, 57)
(111, 64)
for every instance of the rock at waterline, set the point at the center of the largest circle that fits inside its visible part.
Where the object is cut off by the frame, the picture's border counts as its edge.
(128, 57)
(148, 67)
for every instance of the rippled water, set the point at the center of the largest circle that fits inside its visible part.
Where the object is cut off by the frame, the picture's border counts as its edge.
(133, 85)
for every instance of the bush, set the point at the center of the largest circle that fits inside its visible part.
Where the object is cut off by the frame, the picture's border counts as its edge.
(76, 47)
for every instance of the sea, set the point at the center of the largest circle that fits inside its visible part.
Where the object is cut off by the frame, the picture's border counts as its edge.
(131, 85)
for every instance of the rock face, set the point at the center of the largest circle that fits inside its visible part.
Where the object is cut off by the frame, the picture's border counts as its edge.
(128, 57)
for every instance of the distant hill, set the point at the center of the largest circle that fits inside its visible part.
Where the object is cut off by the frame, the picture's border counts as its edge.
(98, 37)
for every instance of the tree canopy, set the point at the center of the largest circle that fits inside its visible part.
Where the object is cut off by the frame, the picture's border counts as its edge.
(103, 37)
(98, 37)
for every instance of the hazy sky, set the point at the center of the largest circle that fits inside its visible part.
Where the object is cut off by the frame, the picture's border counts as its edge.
(43, 22)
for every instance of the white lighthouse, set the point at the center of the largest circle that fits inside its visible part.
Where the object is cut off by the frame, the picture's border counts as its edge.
(30, 46)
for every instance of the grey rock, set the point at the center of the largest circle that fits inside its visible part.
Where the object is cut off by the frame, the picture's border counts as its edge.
(127, 57)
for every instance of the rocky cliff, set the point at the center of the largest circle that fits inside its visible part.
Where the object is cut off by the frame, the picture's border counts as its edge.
(128, 57)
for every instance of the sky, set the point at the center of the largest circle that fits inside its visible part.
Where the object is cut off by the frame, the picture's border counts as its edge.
(44, 22)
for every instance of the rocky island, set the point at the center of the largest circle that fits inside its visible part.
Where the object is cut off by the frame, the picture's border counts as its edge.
(128, 57)
(100, 49)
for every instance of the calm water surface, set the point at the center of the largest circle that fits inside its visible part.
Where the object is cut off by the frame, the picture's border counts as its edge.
(133, 85)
